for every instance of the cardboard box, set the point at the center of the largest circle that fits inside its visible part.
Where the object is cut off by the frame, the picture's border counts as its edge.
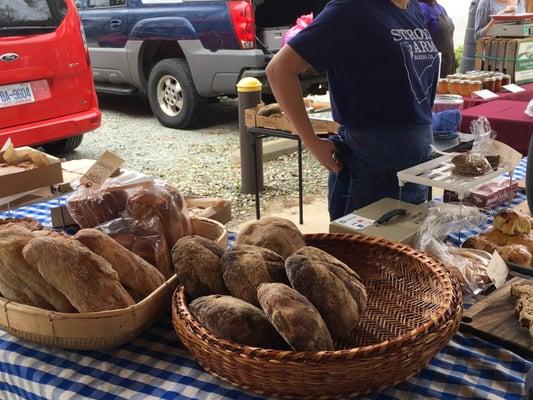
(401, 229)
(282, 123)
(489, 195)
(508, 55)
(27, 181)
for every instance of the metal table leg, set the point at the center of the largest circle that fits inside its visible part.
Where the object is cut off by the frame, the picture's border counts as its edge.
(256, 175)
(300, 181)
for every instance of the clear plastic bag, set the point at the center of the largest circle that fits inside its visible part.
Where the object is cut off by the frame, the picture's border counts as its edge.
(468, 266)
(484, 141)
(143, 238)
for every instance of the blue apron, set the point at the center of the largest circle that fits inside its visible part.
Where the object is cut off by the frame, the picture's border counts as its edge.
(371, 159)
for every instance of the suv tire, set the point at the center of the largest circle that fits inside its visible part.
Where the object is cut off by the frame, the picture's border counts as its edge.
(63, 146)
(172, 94)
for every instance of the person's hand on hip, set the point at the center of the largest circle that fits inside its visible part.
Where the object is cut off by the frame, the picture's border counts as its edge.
(325, 152)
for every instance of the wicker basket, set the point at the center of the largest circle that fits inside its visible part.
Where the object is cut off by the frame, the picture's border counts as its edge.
(414, 309)
(99, 330)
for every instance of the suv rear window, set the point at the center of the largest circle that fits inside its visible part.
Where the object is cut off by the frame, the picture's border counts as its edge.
(25, 17)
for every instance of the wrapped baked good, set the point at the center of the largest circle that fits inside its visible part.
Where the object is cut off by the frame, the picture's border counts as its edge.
(512, 223)
(90, 208)
(479, 243)
(497, 237)
(471, 165)
(165, 203)
(524, 240)
(142, 238)
(516, 254)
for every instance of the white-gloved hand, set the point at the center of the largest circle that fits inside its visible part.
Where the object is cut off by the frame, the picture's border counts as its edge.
(529, 109)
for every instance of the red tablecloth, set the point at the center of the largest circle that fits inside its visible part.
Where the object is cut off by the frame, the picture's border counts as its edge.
(527, 95)
(507, 118)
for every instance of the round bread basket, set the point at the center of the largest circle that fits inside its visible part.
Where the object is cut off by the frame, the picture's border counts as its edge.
(414, 308)
(98, 330)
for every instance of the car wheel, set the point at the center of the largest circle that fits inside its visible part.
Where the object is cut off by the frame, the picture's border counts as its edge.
(173, 96)
(63, 146)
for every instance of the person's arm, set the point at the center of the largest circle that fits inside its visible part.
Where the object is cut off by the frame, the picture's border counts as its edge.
(282, 73)
(483, 21)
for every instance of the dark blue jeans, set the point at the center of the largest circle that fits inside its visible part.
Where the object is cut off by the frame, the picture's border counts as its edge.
(371, 160)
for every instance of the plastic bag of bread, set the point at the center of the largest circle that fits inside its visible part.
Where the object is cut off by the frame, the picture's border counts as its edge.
(466, 265)
(91, 207)
(484, 141)
(143, 238)
(164, 203)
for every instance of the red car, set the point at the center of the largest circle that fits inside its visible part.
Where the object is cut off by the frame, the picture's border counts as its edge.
(47, 95)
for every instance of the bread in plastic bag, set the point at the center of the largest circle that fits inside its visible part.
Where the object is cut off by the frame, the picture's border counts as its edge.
(468, 266)
(167, 205)
(484, 141)
(142, 238)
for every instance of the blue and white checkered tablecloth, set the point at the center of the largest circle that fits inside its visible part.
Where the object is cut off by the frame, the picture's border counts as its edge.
(156, 366)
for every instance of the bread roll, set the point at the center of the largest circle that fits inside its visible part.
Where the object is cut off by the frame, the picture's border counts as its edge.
(158, 202)
(325, 285)
(524, 240)
(86, 279)
(512, 223)
(294, 317)
(236, 320)
(479, 243)
(277, 234)
(143, 239)
(516, 254)
(28, 223)
(197, 262)
(12, 242)
(135, 274)
(497, 237)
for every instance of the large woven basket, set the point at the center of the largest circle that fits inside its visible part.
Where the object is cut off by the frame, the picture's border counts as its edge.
(414, 308)
(98, 330)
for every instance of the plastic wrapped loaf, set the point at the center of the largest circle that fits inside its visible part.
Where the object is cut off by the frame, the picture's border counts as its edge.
(144, 202)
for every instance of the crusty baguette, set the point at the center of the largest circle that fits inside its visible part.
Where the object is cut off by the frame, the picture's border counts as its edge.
(86, 279)
(137, 275)
(12, 242)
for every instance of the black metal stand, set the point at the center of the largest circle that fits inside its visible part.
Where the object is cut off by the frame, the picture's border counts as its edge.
(261, 133)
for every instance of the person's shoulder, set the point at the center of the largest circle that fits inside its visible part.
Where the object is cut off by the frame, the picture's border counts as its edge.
(483, 4)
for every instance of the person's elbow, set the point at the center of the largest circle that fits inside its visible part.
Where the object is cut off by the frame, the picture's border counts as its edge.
(274, 70)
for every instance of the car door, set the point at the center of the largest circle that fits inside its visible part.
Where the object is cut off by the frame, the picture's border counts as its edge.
(106, 26)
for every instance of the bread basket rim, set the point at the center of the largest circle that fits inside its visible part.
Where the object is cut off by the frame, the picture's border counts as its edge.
(179, 303)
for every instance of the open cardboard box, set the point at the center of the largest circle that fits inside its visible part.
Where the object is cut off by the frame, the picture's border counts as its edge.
(30, 180)
(282, 123)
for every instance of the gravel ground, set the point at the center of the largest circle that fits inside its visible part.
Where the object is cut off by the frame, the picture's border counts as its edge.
(198, 162)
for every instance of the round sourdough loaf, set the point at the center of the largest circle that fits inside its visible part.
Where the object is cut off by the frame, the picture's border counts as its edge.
(277, 234)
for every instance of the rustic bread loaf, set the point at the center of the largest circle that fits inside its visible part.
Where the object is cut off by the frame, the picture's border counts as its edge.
(243, 271)
(522, 294)
(512, 223)
(135, 274)
(277, 234)
(26, 222)
(294, 317)
(236, 320)
(523, 240)
(87, 280)
(197, 262)
(349, 277)
(12, 242)
(16, 290)
(274, 262)
(471, 165)
(319, 282)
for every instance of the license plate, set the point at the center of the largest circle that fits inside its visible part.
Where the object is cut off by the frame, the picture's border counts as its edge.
(18, 93)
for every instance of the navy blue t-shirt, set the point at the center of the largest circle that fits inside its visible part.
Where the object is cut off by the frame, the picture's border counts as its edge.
(381, 63)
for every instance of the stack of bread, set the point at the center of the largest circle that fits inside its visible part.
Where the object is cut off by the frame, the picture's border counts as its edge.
(88, 272)
(147, 219)
(270, 290)
(510, 236)
(522, 294)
